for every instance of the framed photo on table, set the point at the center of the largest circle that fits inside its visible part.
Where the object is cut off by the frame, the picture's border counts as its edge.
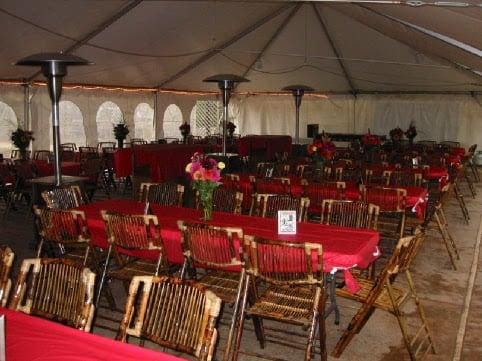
(286, 222)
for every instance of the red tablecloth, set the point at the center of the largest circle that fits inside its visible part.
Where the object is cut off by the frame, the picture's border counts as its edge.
(343, 247)
(166, 161)
(31, 338)
(458, 151)
(123, 162)
(68, 168)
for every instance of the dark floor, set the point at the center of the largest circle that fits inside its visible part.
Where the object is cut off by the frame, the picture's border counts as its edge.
(441, 289)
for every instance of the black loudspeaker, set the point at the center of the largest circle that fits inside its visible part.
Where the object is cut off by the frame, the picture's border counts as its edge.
(312, 130)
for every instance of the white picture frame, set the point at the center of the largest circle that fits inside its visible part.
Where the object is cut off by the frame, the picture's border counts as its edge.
(286, 222)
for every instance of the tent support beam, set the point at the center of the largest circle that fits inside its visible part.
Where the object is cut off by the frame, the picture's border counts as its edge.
(224, 45)
(440, 58)
(271, 40)
(335, 49)
(100, 28)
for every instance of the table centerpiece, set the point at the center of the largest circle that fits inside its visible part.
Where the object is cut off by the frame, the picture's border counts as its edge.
(21, 139)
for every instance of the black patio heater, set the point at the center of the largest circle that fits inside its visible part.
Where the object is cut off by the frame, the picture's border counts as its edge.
(54, 68)
(226, 84)
(298, 91)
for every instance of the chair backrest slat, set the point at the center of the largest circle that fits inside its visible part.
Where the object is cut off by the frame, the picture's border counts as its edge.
(167, 194)
(350, 214)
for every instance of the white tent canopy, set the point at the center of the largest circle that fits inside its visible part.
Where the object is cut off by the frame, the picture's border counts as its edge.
(393, 56)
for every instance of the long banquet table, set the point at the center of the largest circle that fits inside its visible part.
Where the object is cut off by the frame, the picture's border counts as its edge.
(343, 247)
(33, 338)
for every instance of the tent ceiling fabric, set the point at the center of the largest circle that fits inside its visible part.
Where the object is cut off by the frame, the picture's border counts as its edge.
(384, 48)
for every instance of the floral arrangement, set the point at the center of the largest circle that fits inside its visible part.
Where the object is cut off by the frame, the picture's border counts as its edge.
(185, 129)
(396, 134)
(321, 150)
(121, 130)
(205, 173)
(22, 138)
(369, 140)
(411, 132)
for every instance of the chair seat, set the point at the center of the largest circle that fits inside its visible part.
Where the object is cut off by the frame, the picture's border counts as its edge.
(138, 267)
(223, 284)
(290, 304)
(383, 301)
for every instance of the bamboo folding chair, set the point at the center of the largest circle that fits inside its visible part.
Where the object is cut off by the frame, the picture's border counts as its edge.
(454, 174)
(132, 233)
(173, 313)
(284, 282)
(213, 249)
(55, 288)
(6, 261)
(349, 214)
(317, 192)
(392, 203)
(279, 185)
(384, 295)
(166, 194)
(64, 198)
(67, 229)
(45, 155)
(405, 178)
(268, 205)
(227, 200)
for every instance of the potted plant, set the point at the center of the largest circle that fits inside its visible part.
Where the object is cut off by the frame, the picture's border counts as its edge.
(230, 127)
(21, 139)
(411, 132)
(396, 135)
(370, 143)
(120, 133)
(321, 151)
(185, 130)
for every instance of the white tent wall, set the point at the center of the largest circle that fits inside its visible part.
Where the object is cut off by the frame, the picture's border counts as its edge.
(437, 117)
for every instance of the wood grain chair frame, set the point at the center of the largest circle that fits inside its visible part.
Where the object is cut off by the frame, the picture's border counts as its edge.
(268, 205)
(405, 178)
(213, 249)
(227, 200)
(174, 313)
(68, 146)
(132, 233)
(285, 283)
(384, 295)
(6, 262)
(350, 214)
(64, 198)
(56, 289)
(278, 185)
(44, 155)
(391, 201)
(66, 228)
(317, 192)
(167, 194)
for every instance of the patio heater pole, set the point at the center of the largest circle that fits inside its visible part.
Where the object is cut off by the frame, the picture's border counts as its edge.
(54, 68)
(226, 85)
(298, 91)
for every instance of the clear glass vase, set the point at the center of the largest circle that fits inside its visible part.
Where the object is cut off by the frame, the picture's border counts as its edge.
(206, 205)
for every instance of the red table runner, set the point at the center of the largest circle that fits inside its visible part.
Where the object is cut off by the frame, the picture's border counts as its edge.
(343, 248)
(32, 338)
(123, 162)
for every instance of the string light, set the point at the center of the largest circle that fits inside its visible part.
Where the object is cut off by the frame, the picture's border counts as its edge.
(154, 90)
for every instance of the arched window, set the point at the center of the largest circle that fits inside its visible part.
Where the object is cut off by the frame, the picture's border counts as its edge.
(108, 115)
(172, 121)
(71, 124)
(144, 122)
(8, 124)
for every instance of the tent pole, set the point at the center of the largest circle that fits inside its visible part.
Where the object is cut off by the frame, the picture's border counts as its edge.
(270, 41)
(225, 44)
(335, 49)
(156, 94)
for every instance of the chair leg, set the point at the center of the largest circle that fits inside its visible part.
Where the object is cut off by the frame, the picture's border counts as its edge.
(470, 184)
(321, 326)
(449, 235)
(445, 240)
(234, 319)
(475, 172)
(242, 315)
(460, 200)
(104, 274)
(353, 328)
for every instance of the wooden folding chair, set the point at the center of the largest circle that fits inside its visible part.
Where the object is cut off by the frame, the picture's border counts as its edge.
(268, 205)
(64, 198)
(384, 295)
(6, 261)
(227, 200)
(166, 194)
(55, 288)
(349, 214)
(67, 229)
(285, 283)
(213, 249)
(132, 233)
(173, 313)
